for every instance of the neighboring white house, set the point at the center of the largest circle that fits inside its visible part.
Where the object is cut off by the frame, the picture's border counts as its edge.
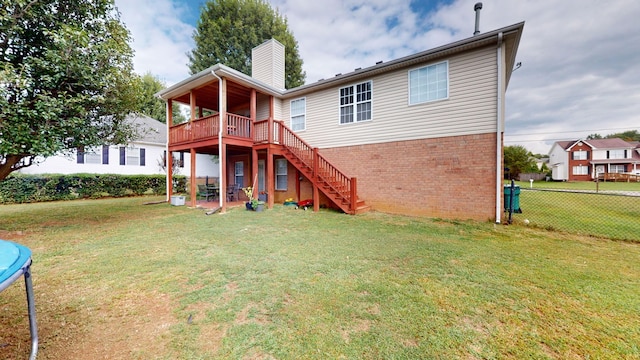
(142, 156)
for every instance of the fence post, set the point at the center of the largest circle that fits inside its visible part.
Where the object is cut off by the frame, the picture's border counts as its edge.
(511, 198)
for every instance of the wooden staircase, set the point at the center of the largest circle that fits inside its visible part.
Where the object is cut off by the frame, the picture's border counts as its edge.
(339, 188)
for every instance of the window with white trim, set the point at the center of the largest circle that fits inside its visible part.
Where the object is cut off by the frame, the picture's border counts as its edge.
(298, 114)
(355, 103)
(281, 174)
(239, 173)
(616, 154)
(93, 156)
(580, 170)
(580, 155)
(132, 156)
(616, 168)
(429, 83)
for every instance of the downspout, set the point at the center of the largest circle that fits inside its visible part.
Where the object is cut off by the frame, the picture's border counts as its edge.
(499, 170)
(169, 155)
(220, 189)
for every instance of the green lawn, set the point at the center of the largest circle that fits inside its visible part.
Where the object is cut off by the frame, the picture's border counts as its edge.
(577, 207)
(580, 185)
(121, 280)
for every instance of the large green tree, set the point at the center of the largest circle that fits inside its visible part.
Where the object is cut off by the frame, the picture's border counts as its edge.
(66, 78)
(228, 29)
(153, 106)
(629, 135)
(518, 160)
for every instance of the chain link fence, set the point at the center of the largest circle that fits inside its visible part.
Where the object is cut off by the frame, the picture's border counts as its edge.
(603, 209)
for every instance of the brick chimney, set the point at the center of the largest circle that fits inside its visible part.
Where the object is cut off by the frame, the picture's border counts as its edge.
(267, 63)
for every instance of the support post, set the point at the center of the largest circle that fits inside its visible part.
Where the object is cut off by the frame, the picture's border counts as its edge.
(169, 159)
(193, 185)
(223, 176)
(254, 172)
(353, 195)
(270, 177)
(314, 180)
(252, 111)
(169, 164)
(192, 116)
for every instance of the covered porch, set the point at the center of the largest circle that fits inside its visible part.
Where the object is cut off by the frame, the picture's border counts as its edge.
(223, 123)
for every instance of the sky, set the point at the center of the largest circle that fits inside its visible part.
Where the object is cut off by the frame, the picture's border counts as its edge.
(580, 70)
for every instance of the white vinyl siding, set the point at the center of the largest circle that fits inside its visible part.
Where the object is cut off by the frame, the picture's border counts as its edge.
(470, 108)
(429, 83)
(281, 174)
(262, 108)
(298, 114)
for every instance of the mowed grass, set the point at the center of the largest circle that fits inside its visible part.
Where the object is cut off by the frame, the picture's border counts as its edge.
(568, 207)
(120, 280)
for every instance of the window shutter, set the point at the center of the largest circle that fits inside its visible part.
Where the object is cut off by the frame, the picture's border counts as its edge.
(588, 155)
(105, 154)
(80, 155)
(181, 159)
(142, 163)
(123, 156)
(607, 154)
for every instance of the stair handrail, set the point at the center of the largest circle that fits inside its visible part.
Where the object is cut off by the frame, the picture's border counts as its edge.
(322, 168)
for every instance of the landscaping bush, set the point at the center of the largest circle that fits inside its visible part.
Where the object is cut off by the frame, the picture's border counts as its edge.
(38, 188)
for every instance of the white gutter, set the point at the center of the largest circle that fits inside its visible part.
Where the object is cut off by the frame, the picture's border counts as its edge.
(499, 170)
(220, 188)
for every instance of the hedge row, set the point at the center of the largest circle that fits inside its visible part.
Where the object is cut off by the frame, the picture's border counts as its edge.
(38, 188)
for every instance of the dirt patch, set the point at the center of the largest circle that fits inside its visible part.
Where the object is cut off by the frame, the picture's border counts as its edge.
(133, 327)
(11, 235)
(252, 313)
(359, 326)
(211, 336)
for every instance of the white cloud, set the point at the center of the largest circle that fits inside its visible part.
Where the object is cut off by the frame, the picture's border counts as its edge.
(160, 39)
(581, 64)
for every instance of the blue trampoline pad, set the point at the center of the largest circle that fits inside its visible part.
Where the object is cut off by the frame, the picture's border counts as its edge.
(14, 259)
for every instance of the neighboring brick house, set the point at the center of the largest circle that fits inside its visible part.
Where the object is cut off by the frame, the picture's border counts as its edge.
(420, 135)
(141, 156)
(584, 160)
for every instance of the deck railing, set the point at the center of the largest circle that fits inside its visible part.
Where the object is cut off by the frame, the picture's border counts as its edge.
(208, 127)
(261, 131)
(194, 130)
(238, 126)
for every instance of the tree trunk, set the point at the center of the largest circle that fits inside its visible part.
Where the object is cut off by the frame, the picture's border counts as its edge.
(8, 166)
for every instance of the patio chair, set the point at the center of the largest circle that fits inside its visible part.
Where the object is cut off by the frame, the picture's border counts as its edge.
(206, 192)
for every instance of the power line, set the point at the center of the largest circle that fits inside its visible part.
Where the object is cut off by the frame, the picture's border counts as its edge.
(571, 131)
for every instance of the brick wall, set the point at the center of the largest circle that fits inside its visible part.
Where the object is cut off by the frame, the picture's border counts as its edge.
(584, 147)
(450, 177)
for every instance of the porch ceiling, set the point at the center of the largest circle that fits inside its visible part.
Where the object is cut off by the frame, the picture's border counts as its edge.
(207, 96)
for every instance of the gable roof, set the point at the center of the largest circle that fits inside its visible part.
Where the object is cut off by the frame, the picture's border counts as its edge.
(509, 35)
(612, 143)
(148, 130)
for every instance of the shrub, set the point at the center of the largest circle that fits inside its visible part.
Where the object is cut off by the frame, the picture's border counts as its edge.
(37, 188)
